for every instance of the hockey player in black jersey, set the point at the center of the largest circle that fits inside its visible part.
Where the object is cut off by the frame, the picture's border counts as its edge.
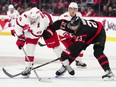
(86, 32)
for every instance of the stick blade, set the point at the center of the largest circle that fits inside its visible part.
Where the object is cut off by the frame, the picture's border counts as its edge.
(9, 75)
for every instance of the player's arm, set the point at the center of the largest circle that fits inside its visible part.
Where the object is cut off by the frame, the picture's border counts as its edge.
(78, 45)
(61, 24)
(20, 23)
(56, 25)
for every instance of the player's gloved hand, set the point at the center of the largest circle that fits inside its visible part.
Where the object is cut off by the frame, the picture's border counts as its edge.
(73, 38)
(47, 34)
(67, 36)
(13, 32)
(9, 25)
(20, 42)
(26, 27)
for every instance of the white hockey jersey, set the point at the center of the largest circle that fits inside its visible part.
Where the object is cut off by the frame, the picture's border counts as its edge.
(36, 28)
(67, 17)
(12, 17)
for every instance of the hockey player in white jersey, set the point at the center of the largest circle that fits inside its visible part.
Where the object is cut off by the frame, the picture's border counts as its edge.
(12, 14)
(30, 26)
(65, 37)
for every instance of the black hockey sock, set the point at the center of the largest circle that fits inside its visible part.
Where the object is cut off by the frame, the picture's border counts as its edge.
(103, 61)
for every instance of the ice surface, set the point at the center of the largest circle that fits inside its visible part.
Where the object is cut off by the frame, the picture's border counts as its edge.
(12, 59)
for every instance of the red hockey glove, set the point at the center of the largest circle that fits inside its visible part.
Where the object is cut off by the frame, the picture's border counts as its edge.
(9, 25)
(20, 42)
(13, 32)
(67, 36)
(73, 38)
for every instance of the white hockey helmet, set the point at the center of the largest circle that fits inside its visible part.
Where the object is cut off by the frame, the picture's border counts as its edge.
(73, 5)
(10, 6)
(34, 13)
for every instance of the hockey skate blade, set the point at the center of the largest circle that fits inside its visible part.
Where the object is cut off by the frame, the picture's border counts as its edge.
(80, 67)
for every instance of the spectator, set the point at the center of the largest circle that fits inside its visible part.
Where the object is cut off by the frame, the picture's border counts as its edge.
(91, 12)
(105, 11)
(3, 10)
(59, 8)
(111, 12)
(106, 2)
(83, 11)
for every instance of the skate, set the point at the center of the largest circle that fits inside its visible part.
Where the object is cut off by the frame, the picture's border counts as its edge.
(69, 69)
(80, 64)
(108, 76)
(26, 73)
(61, 71)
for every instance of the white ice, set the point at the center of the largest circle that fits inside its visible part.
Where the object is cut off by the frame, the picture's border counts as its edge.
(12, 59)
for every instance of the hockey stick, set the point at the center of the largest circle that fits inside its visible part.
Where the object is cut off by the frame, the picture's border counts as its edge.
(12, 76)
(29, 62)
(41, 45)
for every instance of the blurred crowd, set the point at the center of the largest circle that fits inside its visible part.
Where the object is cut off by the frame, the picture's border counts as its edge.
(57, 7)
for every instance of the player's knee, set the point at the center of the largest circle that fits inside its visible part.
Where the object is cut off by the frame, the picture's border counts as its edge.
(65, 55)
(97, 54)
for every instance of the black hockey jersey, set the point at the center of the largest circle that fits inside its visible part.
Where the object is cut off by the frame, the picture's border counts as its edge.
(86, 32)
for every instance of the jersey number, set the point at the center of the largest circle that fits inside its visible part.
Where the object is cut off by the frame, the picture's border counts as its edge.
(91, 24)
(79, 38)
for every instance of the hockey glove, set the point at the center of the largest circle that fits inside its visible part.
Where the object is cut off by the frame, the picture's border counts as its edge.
(13, 32)
(67, 36)
(47, 34)
(20, 42)
(73, 38)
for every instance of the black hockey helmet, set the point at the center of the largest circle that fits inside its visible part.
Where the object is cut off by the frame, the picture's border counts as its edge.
(75, 21)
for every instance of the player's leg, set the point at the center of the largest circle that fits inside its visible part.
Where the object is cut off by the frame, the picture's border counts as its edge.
(101, 57)
(29, 49)
(65, 67)
(67, 57)
(79, 62)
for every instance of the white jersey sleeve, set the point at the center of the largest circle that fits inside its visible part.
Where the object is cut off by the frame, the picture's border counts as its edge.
(13, 15)
(68, 17)
(20, 22)
(65, 16)
(79, 14)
